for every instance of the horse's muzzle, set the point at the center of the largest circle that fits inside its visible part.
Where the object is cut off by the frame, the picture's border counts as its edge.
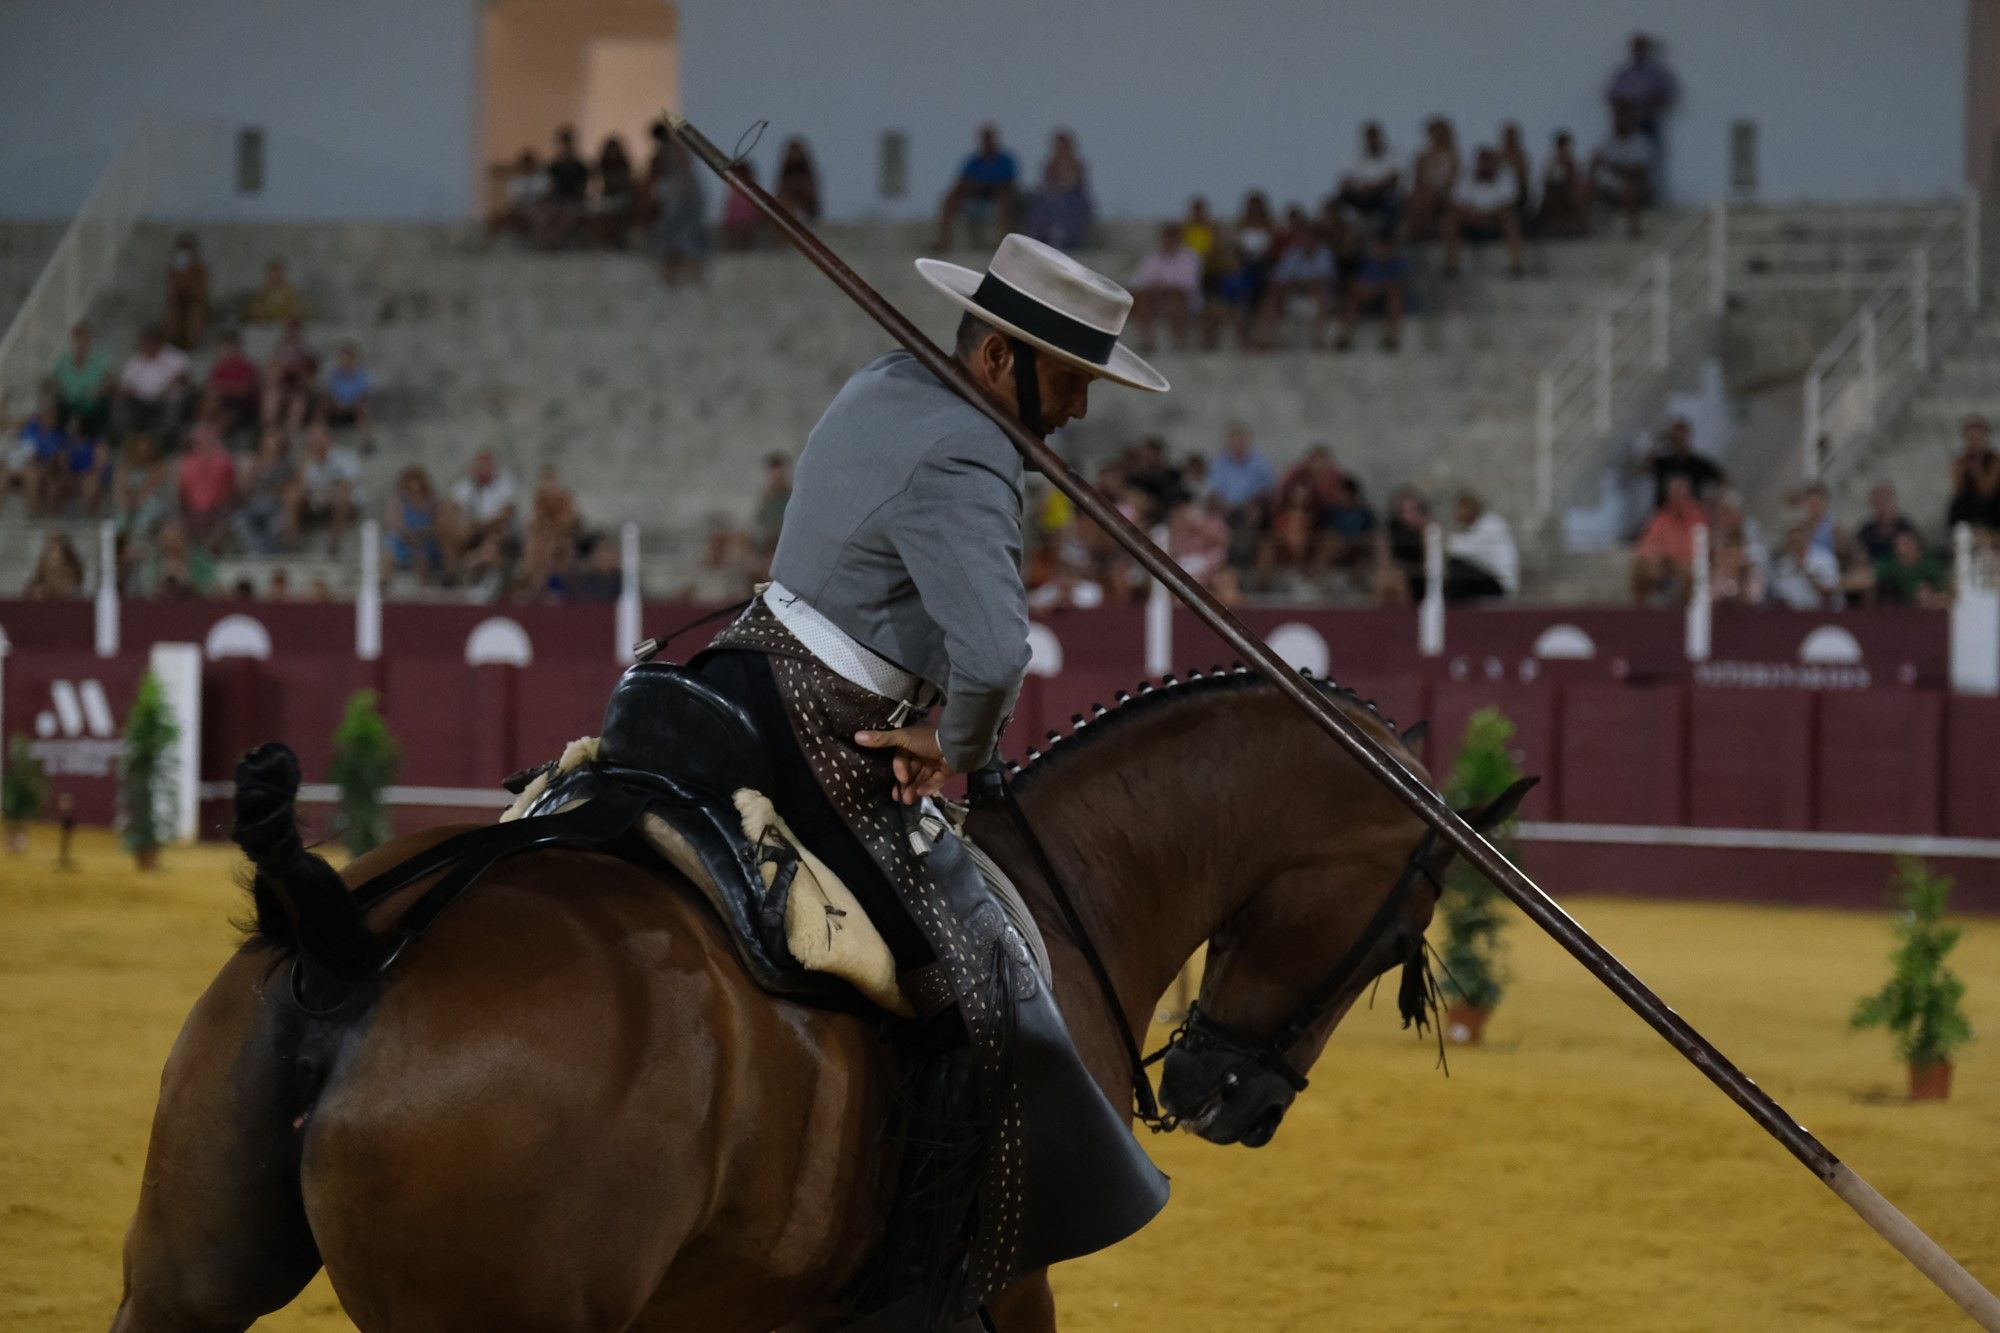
(1223, 1095)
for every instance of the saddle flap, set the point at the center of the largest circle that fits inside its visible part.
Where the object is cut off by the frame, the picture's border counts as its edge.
(663, 718)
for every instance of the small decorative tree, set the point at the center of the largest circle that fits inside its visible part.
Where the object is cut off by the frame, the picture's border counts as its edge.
(24, 789)
(147, 791)
(1472, 909)
(1919, 1003)
(365, 760)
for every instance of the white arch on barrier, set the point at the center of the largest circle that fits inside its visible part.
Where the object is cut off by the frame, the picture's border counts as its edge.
(237, 636)
(1045, 651)
(1565, 643)
(1301, 647)
(498, 641)
(1830, 645)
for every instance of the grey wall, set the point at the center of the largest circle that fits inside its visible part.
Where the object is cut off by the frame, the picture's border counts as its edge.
(1173, 97)
(368, 106)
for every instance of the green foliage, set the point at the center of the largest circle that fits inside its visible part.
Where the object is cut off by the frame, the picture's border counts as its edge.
(365, 760)
(147, 794)
(24, 787)
(1472, 910)
(1919, 1003)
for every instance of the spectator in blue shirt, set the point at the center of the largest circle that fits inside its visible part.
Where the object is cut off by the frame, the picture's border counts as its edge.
(1240, 476)
(986, 188)
(348, 389)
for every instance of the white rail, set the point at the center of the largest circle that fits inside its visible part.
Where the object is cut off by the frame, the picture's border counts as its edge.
(1869, 370)
(78, 268)
(1612, 369)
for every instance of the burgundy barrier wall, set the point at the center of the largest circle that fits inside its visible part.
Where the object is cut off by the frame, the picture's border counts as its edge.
(1798, 722)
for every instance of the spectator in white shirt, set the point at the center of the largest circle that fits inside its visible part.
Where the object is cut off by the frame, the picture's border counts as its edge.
(152, 388)
(1621, 173)
(1166, 287)
(487, 503)
(328, 494)
(1487, 207)
(1481, 560)
(1805, 577)
(1373, 186)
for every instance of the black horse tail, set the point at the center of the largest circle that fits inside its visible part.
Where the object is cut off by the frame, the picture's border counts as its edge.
(302, 902)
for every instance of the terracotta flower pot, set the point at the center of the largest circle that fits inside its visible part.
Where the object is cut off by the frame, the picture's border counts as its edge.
(147, 857)
(1463, 1023)
(1931, 1082)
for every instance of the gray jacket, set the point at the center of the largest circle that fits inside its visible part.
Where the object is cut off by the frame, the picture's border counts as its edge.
(904, 529)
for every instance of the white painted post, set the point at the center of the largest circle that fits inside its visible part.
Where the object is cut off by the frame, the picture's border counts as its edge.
(1159, 620)
(1868, 367)
(1975, 622)
(1430, 612)
(1920, 309)
(1700, 609)
(1662, 308)
(1545, 443)
(625, 630)
(1603, 414)
(1809, 443)
(1718, 257)
(368, 597)
(178, 668)
(107, 589)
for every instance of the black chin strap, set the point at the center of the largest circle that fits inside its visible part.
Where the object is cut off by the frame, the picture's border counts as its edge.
(1027, 387)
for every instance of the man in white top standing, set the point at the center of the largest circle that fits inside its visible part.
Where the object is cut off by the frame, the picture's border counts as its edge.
(487, 501)
(1482, 562)
(152, 388)
(1167, 286)
(1622, 170)
(1373, 187)
(1487, 208)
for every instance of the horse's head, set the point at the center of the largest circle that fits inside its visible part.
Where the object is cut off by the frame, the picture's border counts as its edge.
(1286, 966)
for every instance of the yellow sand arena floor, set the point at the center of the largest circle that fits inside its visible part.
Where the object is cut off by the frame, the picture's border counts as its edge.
(1572, 1174)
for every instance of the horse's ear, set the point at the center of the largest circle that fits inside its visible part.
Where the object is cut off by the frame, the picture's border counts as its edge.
(1501, 808)
(1414, 736)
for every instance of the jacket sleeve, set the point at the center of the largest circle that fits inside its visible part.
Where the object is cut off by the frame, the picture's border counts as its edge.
(958, 530)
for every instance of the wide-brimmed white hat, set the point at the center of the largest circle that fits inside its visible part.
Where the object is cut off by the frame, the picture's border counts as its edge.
(1040, 295)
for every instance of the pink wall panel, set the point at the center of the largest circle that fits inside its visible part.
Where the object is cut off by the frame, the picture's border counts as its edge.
(1972, 767)
(1623, 754)
(425, 700)
(1879, 762)
(1750, 759)
(1531, 708)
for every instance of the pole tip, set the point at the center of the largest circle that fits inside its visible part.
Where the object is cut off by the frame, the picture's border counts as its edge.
(675, 120)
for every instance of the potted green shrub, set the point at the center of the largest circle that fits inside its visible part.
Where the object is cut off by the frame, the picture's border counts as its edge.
(146, 788)
(1471, 910)
(24, 789)
(365, 760)
(1920, 1001)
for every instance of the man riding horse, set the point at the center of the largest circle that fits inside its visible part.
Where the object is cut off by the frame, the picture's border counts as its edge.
(884, 658)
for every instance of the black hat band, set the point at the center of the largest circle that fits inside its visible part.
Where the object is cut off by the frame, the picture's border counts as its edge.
(1053, 327)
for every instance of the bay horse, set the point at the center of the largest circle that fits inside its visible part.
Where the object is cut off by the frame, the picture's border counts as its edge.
(569, 1108)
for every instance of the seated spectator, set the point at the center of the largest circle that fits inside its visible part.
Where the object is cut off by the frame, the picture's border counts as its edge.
(1323, 477)
(350, 391)
(1565, 204)
(1290, 538)
(145, 494)
(742, 225)
(1399, 549)
(1166, 288)
(1251, 253)
(152, 388)
(175, 568)
(1433, 177)
(526, 187)
(1739, 557)
(1621, 173)
(680, 206)
(187, 294)
(986, 188)
(38, 465)
(1663, 559)
(1911, 576)
(277, 301)
(798, 181)
(1372, 188)
(563, 203)
(482, 571)
(1241, 478)
(87, 473)
(1304, 270)
(1347, 528)
(768, 520)
(1148, 472)
(207, 479)
(1381, 286)
(601, 577)
(261, 522)
(83, 383)
(1486, 208)
(1975, 478)
(1805, 577)
(553, 529)
(291, 379)
(487, 504)
(1821, 531)
(1481, 559)
(327, 496)
(1514, 165)
(1886, 522)
(58, 571)
(617, 191)
(1059, 213)
(235, 386)
(410, 528)
(1674, 456)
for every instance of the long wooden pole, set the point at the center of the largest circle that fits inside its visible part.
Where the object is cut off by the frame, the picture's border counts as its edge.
(1543, 910)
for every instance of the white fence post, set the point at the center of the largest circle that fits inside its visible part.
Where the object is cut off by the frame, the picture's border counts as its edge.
(1718, 257)
(1545, 443)
(368, 597)
(1430, 612)
(107, 589)
(1975, 622)
(1809, 441)
(1700, 610)
(1920, 308)
(1603, 413)
(1159, 620)
(1662, 308)
(625, 631)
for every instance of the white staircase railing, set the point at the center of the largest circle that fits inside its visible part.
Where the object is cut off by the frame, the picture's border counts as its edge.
(78, 268)
(1612, 369)
(1872, 367)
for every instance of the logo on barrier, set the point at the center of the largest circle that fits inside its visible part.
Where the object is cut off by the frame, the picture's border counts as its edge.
(76, 734)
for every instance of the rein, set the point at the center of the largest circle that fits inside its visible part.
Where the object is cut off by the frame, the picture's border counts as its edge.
(1414, 993)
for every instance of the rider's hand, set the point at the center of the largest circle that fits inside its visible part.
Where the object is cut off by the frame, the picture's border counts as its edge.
(920, 765)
